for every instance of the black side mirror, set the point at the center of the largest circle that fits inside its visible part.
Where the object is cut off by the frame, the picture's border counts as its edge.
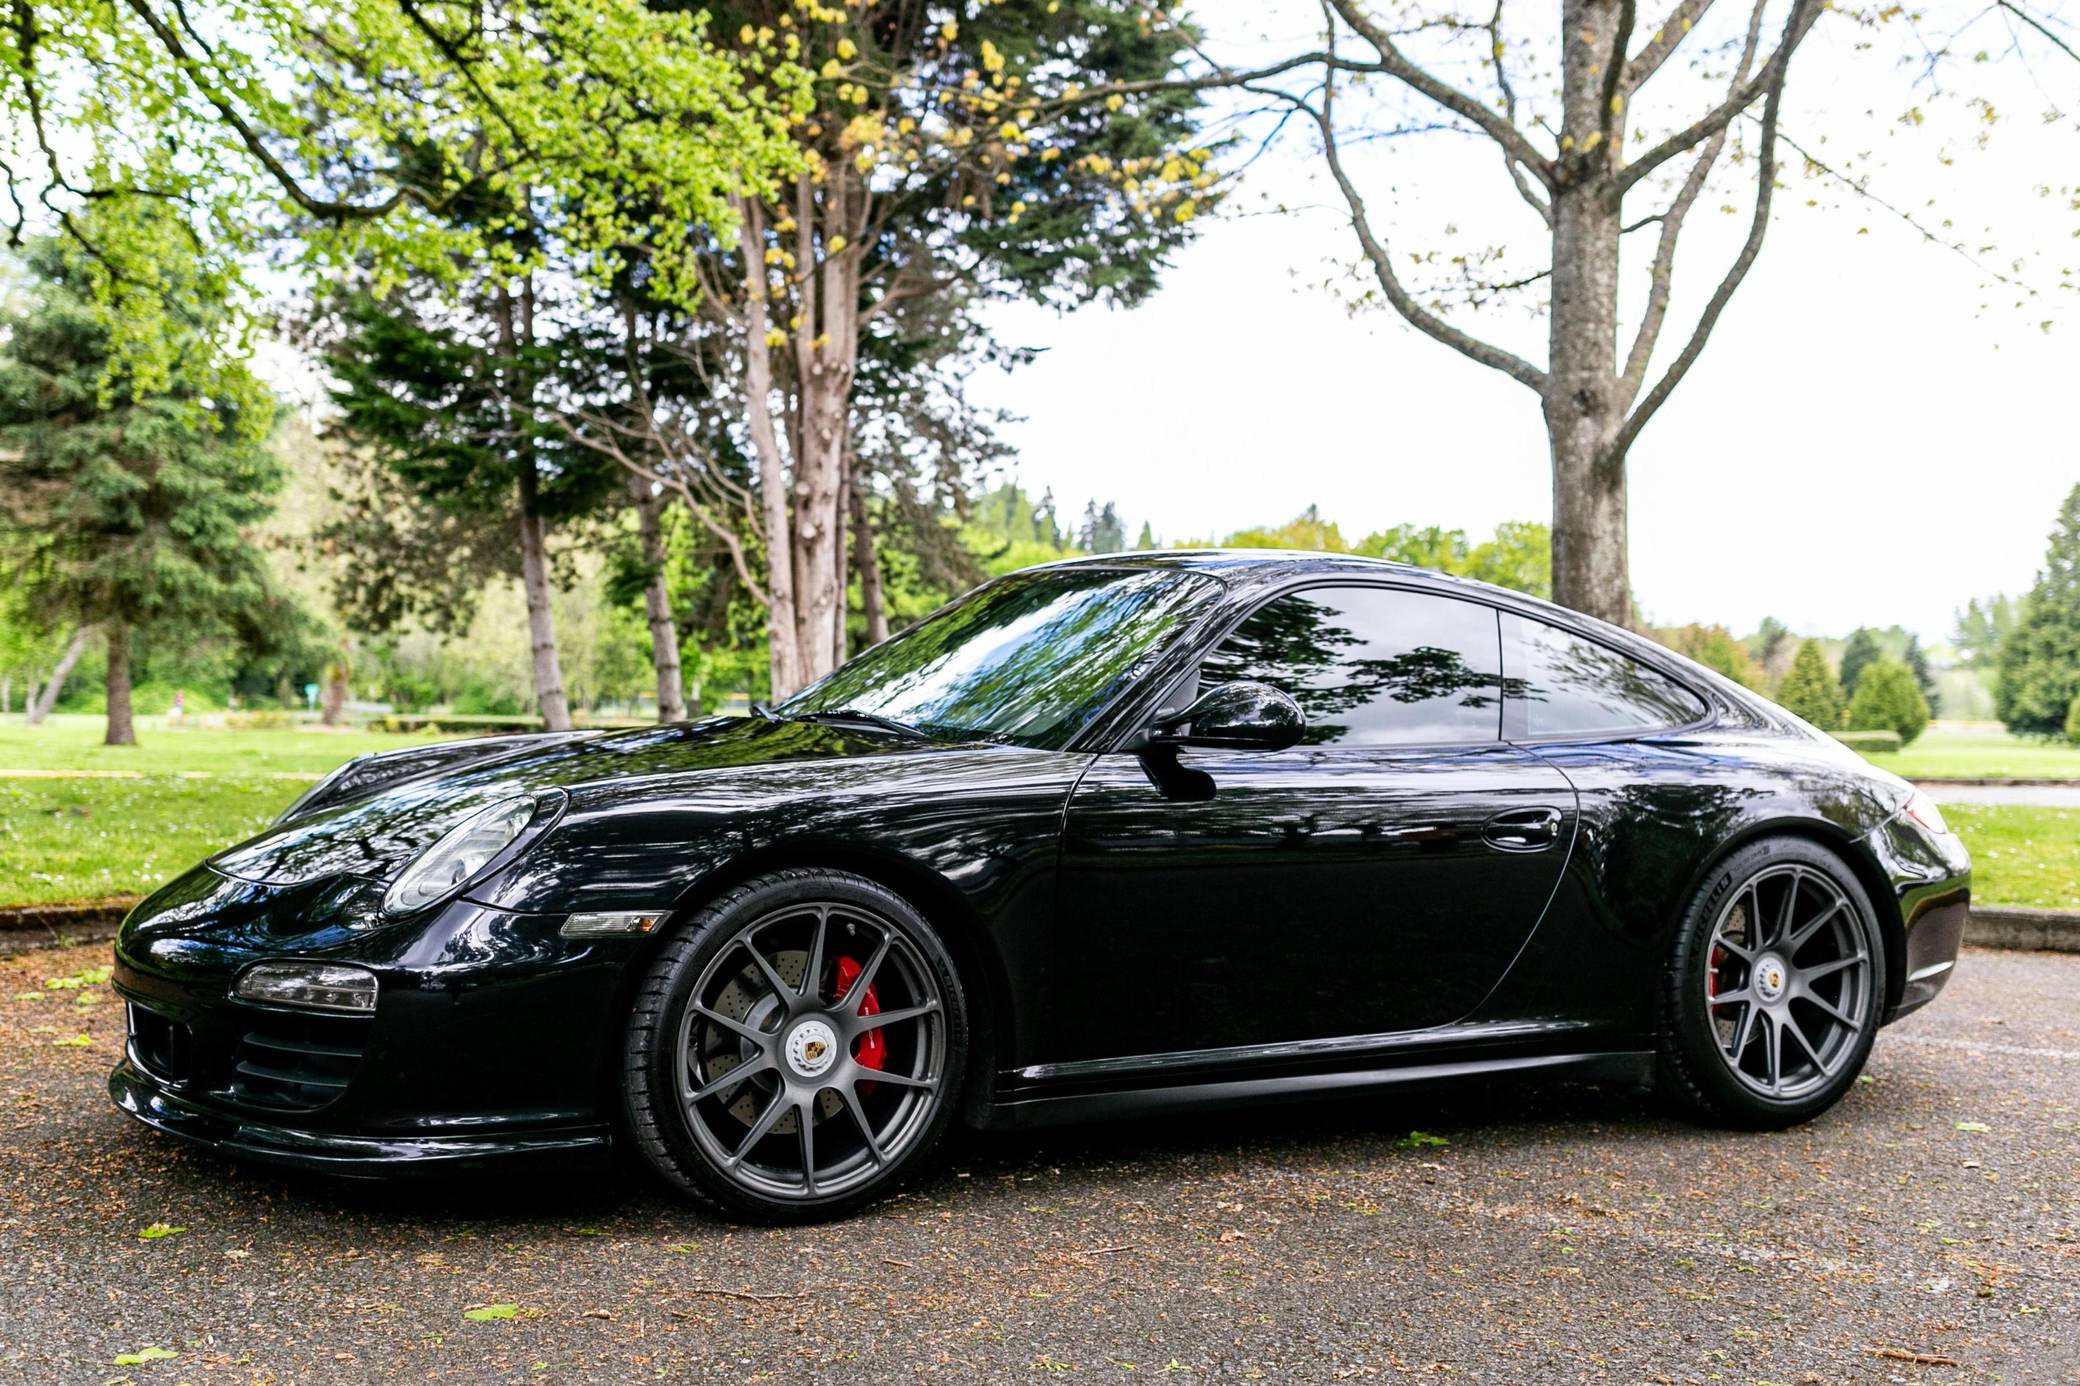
(1239, 716)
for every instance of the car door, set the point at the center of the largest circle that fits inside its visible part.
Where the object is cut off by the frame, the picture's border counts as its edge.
(1380, 876)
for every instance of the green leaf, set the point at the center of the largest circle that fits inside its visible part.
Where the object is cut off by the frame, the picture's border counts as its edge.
(1417, 1139)
(1973, 1126)
(158, 1230)
(144, 1355)
(76, 1042)
(485, 1312)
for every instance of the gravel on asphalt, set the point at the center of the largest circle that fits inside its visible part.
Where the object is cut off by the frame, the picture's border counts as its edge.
(1928, 1230)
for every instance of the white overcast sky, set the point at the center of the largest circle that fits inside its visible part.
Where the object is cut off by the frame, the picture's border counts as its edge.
(1875, 434)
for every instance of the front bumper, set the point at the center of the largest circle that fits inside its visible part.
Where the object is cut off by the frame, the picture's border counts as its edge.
(492, 1036)
(1931, 878)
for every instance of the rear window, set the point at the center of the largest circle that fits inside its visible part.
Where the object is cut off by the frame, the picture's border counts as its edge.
(1559, 684)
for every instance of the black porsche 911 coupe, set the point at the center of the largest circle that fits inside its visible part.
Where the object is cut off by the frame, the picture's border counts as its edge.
(1113, 836)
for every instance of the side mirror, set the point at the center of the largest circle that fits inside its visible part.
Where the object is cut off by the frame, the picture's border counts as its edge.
(1239, 716)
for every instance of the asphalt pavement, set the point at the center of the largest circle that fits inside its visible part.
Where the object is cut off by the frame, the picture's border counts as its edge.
(1926, 1231)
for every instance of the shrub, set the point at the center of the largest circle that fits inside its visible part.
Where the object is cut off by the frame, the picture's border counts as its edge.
(2073, 721)
(1870, 742)
(1888, 698)
(1715, 648)
(1810, 690)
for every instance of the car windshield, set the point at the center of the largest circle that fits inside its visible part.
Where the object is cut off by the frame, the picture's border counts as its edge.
(1030, 658)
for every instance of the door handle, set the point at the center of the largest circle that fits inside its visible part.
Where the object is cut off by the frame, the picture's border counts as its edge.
(1523, 830)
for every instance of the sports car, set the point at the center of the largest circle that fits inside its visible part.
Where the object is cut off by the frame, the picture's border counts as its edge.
(1120, 835)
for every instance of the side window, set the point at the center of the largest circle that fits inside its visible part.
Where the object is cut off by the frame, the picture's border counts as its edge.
(1562, 685)
(1372, 666)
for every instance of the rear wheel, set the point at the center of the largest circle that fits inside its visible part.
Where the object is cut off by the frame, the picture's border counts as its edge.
(797, 1048)
(1774, 989)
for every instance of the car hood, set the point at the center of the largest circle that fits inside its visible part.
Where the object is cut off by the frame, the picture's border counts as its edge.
(374, 836)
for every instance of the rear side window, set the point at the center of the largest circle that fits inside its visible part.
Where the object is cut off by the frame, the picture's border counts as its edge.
(1372, 666)
(1559, 684)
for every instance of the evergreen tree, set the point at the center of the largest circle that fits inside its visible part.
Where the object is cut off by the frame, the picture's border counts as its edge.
(128, 502)
(1810, 689)
(1981, 627)
(1916, 659)
(1861, 651)
(1887, 699)
(1147, 538)
(2040, 659)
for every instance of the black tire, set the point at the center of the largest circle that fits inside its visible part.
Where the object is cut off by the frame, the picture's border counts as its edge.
(1732, 989)
(719, 996)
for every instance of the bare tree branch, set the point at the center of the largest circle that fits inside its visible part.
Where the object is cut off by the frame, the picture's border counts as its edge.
(1768, 79)
(2027, 18)
(1417, 316)
(1765, 184)
(1539, 204)
(1666, 39)
(1614, 71)
(1392, 61)
(1660, 276)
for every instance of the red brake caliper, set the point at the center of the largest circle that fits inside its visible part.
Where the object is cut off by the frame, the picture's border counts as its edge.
(1711, 981)
(871, 1051)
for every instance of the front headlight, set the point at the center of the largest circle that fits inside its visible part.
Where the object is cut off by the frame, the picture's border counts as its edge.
(466, 849)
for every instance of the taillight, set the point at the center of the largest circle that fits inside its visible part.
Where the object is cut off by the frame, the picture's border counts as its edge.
(1923, 810)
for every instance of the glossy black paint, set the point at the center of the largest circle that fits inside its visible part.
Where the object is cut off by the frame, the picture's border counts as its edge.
(1139, 924)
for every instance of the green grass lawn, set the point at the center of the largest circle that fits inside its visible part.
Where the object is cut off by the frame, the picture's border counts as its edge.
(2021, 856)
(89, 839)
(1971, 753)
(201, 789)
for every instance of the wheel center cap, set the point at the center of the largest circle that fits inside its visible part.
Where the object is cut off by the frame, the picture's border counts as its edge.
(1771, 977)
(812, 1048)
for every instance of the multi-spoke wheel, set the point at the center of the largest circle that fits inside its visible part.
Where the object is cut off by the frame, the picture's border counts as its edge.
(796, 1046)
(1775, 988)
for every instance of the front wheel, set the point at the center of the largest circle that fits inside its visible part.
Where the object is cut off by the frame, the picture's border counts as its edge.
(1774, 989)
(796, 1048)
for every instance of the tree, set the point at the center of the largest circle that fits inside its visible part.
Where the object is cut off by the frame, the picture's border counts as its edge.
(395, 108)
(1101, 531)
(131, 496)
(1810, 689)
(1981, 627)
(2073, 721)
(1772, 647)
(1566, 154)
(2039, 666)
(1518, 557)
(939, 154)
(1307, 530)
(1916, 660)
(1860, 653)
(1715, 648)
(1887, 699)
(1147, 538)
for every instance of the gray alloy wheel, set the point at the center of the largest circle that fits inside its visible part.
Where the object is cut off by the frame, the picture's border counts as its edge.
(797, 1044)
(1788, 984)
(1774, 990)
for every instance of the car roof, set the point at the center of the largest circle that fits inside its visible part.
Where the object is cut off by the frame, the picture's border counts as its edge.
(1245, 569)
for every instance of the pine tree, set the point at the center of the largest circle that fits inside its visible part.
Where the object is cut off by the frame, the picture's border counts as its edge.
(1916, 659)
(129, 502)
(2040, 658)
(1810, 689)
(1887, 699)
(1859, 654)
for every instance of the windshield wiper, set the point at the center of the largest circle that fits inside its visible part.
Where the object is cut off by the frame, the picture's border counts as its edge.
(871, 719)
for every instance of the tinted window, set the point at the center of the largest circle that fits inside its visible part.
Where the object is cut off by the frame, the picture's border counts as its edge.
(1372, 666)
(1563, 685)
(1030, 658)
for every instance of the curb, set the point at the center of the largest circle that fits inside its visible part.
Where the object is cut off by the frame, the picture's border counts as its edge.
(25, 927)
(2043, 931)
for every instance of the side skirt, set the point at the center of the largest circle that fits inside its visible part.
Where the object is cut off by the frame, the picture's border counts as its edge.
(1019, 1111)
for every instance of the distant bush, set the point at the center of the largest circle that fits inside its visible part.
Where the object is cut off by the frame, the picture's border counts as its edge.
(261, 719)
(1870, 742)
(2073, 721)
(1810, 690)
(1888, 698)
(1716, 649)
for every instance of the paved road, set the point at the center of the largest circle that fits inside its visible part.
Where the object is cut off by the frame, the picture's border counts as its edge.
(1552, 1236)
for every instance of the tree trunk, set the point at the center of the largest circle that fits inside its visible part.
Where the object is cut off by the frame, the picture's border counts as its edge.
(824, 369)
(1582, 406)
(871, 601)
(332, 702)
(122, 728)
(534, 558)
(541, 624)
(41, 702)
(783, 665)
(657, 606)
